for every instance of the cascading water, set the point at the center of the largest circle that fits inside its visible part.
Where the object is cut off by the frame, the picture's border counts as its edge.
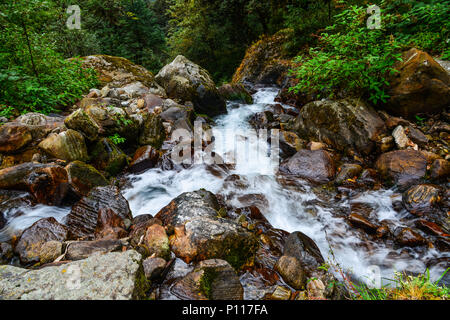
(299, 207)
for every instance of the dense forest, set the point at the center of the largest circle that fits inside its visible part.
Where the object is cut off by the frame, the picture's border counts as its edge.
(35, 40)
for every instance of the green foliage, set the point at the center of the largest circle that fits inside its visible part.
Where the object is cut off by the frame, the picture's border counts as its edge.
(351, 59)
(117, 139)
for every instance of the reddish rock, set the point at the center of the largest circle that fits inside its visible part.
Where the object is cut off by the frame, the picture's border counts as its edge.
(348, 171)
(409, 238)
(29, 245)
(83, 177)
(361, 222)
(422, 199)
(430, 227)
(317, 166)
(80, 250)
(48, 183)
(139, 227)
(402, 167)
(14, 137)
(156, 242)
(145, 157)
(440, 170)
(109, 225)
(292, 272)
(420, 86)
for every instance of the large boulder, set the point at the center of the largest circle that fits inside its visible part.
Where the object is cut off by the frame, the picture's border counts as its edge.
(68, 145)
(112, 276)
(80, 121)
(402, 167)
(235, 92)
(343, 124)
(82, 220)
(423, 199)
(420, 86)
(317, 166)
(29, 245)
(211, 279)
(265, 62)
(108, 157)
(48, 183)
(118, 72)
(84, 177)
(153, 132)
(184, 80)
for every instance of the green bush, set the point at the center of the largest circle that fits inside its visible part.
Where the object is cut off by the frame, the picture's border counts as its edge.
(351, 59)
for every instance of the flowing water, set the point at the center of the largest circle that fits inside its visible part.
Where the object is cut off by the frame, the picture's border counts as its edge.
(297, 207)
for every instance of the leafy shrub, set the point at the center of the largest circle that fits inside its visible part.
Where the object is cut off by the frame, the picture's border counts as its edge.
(352, 59)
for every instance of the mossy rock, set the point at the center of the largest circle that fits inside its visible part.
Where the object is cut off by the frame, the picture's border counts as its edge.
(107, 157)
(84, 177)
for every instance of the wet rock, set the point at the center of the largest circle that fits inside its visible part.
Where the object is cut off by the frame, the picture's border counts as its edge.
(422, 199)
(80, 121)
(361, 222)
(316, 289)
(30, 243)
(106, 156)
(145, 158)
(80, 250)
(122, 272)
(235, 92)
(118, 72)
(430, 227)
(403, 167)
(417, 136)
(183, 79)
(281, 293)
(317, 166)
(401, 139)
(303, 248)
(84, 177)
(11, 199)
(189, 205)
(139, 228)
(205, 238)
(440, 170)
(68, 145)
(109, 225)
(82, 220)
(154, 267)
(369, 177)
(211, 279)
(344, 124)
(14, 137)
(387, 144)
(348, 171)
(50, 251)
(409, 238)
(420, 86)
(292, 272)
(153, 132)
(6, 252)
(47, 183)
(157, 242)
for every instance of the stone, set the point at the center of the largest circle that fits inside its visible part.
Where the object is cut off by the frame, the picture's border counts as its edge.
(440, 170)
(409, 238)
(317, 166)
(12, 199)
(177, 112)
(14, 137)
(145, 158)
(6, 253)
(183, 79)
(108, 157)
(48, 183)
(235, 92)
(28, 248)
(292, 272)
(304, 249)
(39, 124)
(187, 206)
(112, 276)
(360, 222)
(79, 250)
(84, 177)
(82, 219)
(343, 124)
(109, 225)
(281, 293)
(154, 267)
(153, 132)
(348, 171)
(423, 199)
(205, 238)
(50, 251)
(417, 136)
(420, 86)
(402, 167)
(313, 146)
(151, 101)
(401, 139)
(211, 279)
(316, 289)
(139, 228)
(157, 242)
(80, 121)
(68, 145)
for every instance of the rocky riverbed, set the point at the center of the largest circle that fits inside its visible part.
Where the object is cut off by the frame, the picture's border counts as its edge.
(83, 216)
